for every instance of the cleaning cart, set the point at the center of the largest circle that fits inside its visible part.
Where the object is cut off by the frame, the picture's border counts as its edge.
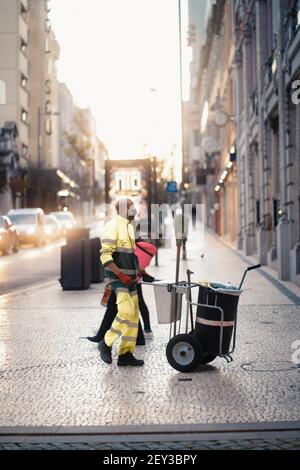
(208, 328)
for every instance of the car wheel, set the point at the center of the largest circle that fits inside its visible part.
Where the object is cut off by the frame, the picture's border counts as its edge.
(184, 352)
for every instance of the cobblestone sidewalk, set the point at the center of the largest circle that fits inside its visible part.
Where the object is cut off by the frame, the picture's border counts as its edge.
(50, 375)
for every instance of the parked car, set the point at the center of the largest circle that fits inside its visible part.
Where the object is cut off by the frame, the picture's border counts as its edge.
(30, 224)
(53, 228)
(66, 219)
(9, 241)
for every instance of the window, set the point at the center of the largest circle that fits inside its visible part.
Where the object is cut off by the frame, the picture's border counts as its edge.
(2, 92)
(274, 65)
(23, 11)
(46, 5)
(275, 212)
(24, 81)
(23, 46)
(258, 212)
(24, 115)
(299, 214)
(24, 150)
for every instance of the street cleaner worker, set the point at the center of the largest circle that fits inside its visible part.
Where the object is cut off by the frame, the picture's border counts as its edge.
(121, 267)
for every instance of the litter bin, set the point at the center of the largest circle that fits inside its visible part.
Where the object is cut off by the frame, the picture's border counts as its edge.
(76, 265)
(210, 329)
(97, 268)
(166, 296)
(79, 233)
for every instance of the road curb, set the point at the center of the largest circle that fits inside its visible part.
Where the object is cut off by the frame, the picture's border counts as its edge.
(148, 433)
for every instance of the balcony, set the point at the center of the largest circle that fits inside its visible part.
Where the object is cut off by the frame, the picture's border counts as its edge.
(292, 40)
(292, 23)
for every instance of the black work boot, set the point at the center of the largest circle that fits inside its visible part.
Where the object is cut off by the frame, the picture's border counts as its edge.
(94, 339)
(105, 352)
(128, 359)
(140, 342)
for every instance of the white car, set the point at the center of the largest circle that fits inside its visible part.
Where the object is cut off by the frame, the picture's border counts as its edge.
(30, 225)
(53, 228)
(66, 219)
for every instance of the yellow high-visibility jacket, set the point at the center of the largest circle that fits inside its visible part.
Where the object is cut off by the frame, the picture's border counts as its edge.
(118, 245)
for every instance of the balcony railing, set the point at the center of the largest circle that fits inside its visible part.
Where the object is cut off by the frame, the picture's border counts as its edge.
(292, 23)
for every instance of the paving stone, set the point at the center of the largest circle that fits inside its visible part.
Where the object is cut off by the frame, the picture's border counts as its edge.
(51, 377)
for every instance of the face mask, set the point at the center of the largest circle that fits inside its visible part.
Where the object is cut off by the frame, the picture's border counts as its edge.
(132, 213)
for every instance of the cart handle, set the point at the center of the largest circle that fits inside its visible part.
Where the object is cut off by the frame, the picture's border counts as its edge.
(182, 286)
(250, 268)
(255, 266)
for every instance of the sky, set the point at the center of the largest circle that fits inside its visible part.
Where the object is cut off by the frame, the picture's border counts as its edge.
(113, 53)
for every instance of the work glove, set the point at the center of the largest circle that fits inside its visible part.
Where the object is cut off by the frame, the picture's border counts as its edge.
(148, 278)
(125, 279)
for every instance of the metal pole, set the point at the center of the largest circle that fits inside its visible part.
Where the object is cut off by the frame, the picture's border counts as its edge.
(181, 83)
(38, 138)
(39, 157)
(178, 247)
(189, 273)
(155, 202)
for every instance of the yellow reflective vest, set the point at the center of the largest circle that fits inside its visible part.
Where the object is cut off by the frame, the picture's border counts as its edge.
(118, 245)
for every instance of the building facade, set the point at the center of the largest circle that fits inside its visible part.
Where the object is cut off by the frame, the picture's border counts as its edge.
(193, 156)
(43, 51)
(57, 145)
(267, 45)
(82, 155)
(249, 129)
(14, 32)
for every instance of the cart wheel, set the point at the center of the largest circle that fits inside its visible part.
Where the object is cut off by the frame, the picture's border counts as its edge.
(184, 353)
(207, 358)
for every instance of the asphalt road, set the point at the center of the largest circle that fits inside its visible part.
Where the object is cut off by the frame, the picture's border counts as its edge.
(28, 267)
(33, 265)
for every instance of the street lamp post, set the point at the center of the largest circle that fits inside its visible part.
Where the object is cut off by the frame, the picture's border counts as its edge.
(181, 81)
(155, 202)
(183, 241)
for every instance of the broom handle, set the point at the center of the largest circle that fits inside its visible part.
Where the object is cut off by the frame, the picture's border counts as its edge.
(178, 261)
(178, 245)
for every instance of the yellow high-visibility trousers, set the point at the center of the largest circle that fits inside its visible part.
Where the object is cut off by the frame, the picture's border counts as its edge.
(125, 325)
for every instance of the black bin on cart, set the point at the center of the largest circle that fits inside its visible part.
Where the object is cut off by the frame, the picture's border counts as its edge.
(208, 327)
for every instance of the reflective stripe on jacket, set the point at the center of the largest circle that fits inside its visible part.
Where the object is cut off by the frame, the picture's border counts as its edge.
(118, 247)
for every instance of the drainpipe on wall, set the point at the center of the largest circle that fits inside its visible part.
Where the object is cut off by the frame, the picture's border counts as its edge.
(247, 62)
(283, 227)
(262, 240)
